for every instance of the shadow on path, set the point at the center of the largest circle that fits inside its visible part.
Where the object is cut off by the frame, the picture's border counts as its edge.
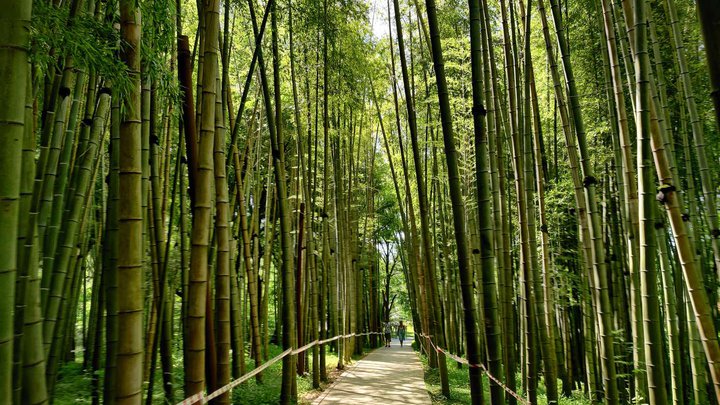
(385, 376)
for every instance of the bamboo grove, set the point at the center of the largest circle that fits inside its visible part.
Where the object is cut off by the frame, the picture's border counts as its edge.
(186, 185)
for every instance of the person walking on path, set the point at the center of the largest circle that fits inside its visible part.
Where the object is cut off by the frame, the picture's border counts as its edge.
(388, 334)
(401, 329)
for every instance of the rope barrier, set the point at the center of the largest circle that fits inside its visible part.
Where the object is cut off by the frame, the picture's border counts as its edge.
(480, 366)
(307, 346)
(422, 345)
(322, 342)
(201, 398)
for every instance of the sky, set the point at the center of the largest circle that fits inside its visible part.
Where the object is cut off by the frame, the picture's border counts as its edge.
(378, 17)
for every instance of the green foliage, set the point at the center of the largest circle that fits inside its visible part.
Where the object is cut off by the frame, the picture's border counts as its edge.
(90, 41)
(564, 238)
(159, 39)
(73, 386)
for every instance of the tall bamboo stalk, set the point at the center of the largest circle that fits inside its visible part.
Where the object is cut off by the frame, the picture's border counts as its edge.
(482, 173)
(654, 357)
(202, 207)
(130, 249)
(14, 64)
(458, 207)
(600, 276)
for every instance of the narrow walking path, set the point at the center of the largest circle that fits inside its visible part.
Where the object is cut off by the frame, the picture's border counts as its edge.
(391, 375)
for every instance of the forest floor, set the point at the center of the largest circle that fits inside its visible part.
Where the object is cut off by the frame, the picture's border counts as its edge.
(385, 376)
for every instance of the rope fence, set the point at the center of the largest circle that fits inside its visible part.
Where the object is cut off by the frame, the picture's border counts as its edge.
(201, 398)
(481, 366)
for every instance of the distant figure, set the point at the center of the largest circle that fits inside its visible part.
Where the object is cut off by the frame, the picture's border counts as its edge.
(388, 334)
(401, 332)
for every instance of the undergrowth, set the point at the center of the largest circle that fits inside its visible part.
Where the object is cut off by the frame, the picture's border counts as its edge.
(459, 380)
(74, 383)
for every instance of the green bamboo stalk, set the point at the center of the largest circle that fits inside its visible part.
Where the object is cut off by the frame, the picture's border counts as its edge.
(131, 219)
(597, 248)
(671, 322)
(32, 362)
(110, 241)
(222, 235)
(654, 356)
(288, 392)
(458, 208)
(482, 170)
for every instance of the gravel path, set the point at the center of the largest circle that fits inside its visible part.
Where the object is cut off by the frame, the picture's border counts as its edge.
(391, 375)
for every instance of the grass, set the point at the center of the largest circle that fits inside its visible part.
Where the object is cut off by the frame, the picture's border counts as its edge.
(73, 385)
